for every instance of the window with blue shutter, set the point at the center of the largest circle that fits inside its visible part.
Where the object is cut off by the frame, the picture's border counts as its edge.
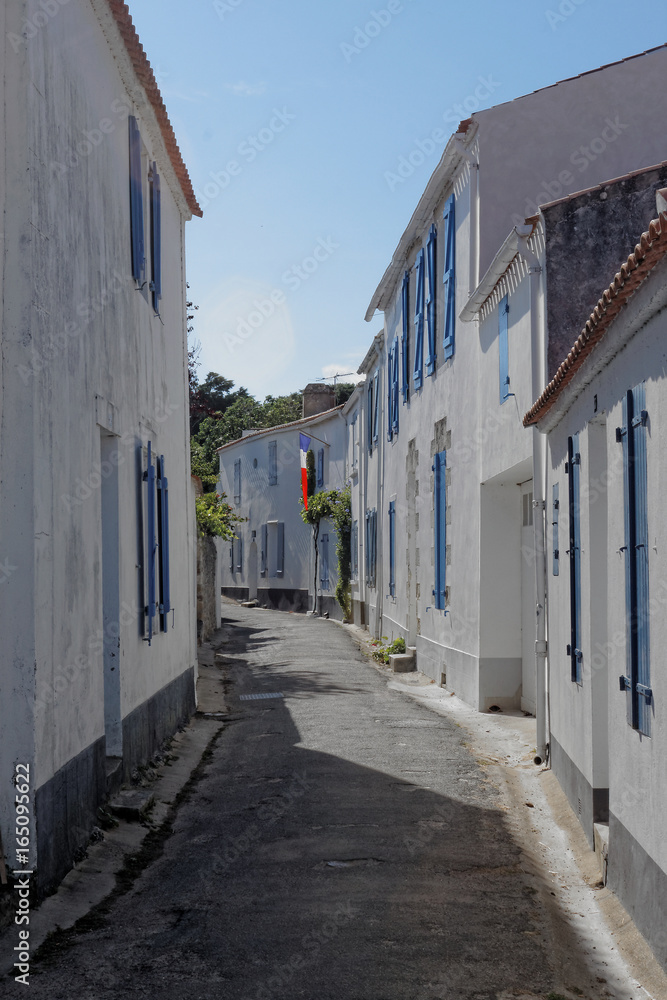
(376, 407)
(237, 481)
(394, 395)
(324, 562)
(440, 510)
(637, 680)
(418, 369)
(374, 537)
(136, 203)
(354, 549)
(280, 549)
(573, 469)
(503, 349)
(369, 414)
(231, 555)
(264, 549)
(239, 554)
(392, 548)
(405, 339)
(555, 504)
(156, 237)
(163, 535)
(150, 478)
(431, 316)
(371, 543)
(390, 393)
(449, 276)
(320, 467)
(273, 463)
(367, 546)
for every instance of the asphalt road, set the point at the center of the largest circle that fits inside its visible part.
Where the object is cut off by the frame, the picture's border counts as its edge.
(342, 844)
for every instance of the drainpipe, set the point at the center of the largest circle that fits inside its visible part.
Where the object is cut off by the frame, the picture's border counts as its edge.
(539, 490)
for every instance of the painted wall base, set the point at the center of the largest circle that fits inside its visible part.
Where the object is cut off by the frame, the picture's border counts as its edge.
(156, 720)
(590, 805)
(641, 886)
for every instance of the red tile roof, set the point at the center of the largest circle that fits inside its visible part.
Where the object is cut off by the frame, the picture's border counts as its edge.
(282, 427)
(650, 250)
(145, 75)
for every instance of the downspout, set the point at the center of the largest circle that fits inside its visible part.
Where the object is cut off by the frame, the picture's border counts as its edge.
(539, 492)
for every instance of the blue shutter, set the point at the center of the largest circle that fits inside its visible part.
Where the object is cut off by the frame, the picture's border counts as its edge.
(264, 549)
(163, 534)
(239, 554)
(390, 393)
(320, 467)
(231, 556)
(418, 370)
(555, 504)
(637, 683)
(324, 562)
(367, 547)
(273, 463)
(354, 549)
(156, 238)
(503, 349)
(449, 277)
(237, 481)
(392, 548)
(374, 537)
(376, 407)
(394, 414)
(280, 546)
(151, 540)
(136, 203)
(405, 345)
(431, 263)
(440, 507)
(573, 469)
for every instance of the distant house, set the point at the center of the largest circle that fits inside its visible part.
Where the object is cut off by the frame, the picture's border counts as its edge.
(604, 413)
(97, 604)
(271, 559)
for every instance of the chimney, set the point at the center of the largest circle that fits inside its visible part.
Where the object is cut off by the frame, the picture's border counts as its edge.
(317, 398)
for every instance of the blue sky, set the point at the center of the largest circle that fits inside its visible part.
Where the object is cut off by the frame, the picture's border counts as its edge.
(293, 116)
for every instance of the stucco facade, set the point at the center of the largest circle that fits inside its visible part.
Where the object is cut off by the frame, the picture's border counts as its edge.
(272, 558)
(94, 371)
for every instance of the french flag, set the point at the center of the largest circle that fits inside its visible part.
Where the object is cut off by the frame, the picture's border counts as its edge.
(304, 445)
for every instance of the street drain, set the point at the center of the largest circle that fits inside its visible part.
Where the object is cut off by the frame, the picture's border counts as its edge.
(261, 697)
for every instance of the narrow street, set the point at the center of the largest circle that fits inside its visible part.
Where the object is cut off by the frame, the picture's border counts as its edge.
(342, 843)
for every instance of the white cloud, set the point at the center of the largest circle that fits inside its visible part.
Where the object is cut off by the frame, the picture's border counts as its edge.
(346, 371)
(243, 89)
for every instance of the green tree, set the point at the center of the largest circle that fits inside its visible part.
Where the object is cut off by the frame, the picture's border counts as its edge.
(336, 505)
(215, 516)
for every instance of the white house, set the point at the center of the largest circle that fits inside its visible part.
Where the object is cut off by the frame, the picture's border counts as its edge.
(272, 557)
(97, 611)
(455, 505)
(604, 414)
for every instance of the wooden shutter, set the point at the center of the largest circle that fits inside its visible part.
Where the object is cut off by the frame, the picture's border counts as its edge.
(136, 203)
(151, 542)
(320, 467)
(239, 554)
(449, 277)
(405, 339)
(503, 349)
(163, 535)
(324, 562)
(264, 548)
(390, 393)
(156, 238)
(392, 548)
(376, 407)
(555, 504)
(369, 414)
(273, 463)
(418, 368)
(280, 549)
(573, 469)
(237, 481)
(394, 408)
(440, 507)
(431, 263)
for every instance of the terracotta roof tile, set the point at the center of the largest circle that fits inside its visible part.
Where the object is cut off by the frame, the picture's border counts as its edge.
(144, 72)
(282, 427)
(650, 250)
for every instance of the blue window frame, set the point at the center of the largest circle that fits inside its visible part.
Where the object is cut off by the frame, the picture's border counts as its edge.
(392, 548)
(503, 349)
(136, 203)
(156, 237)
(324, 562)
(163, 535)
(440, 509)
(320, 467)
(273, 463)
(555, 506)
(573, 470)
(449, 276)
(376, 407)
(405, 338)
(369, 414)
(394, 391)
(431, 315)
(150, 478)
(418, 368)
(636, 682)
